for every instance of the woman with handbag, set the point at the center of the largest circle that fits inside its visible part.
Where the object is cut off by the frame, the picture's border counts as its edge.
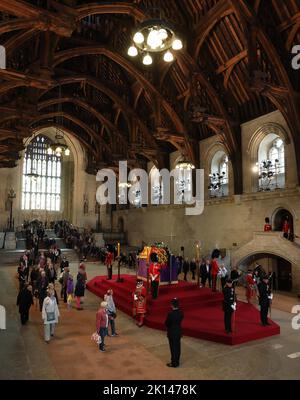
(111, 311)
(50, 314)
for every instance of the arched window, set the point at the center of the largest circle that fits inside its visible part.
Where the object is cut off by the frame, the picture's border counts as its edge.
(218, 177)
(41, 188)
(276, 155)
(271, 163)
(184, 183)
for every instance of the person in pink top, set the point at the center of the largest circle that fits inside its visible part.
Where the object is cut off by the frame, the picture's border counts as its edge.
(102, 324)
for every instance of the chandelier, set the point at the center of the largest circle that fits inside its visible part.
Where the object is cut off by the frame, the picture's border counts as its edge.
(185, 165)
(217, 181)
(155, 36)
(58, 148)
(268, 171)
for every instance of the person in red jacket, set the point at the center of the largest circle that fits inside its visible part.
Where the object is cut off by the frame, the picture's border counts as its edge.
(214, 269)
(154, 275)
(267, 226)
(108, 263)
(286, 228)
(102, 324)
(139, 303)
(250, 286)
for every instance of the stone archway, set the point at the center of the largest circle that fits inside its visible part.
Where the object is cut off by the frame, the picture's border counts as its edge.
(278, 219)
(271, 243)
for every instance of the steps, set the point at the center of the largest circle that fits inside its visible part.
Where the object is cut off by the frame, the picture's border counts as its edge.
(203, 314)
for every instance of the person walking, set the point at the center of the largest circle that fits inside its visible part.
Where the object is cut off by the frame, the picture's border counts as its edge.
(173, 324)
(111, 311)
(102, 324)
(79, 288)
(70, 291)
(25, 301)
(50, 315)
(42, 284)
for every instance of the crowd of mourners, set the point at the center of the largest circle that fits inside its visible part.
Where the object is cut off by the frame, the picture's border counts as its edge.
(38, 274)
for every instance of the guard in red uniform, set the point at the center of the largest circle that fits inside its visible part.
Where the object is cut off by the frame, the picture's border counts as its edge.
(108, 263)
(286, 228)
(154, 274)
(267, 226)
(214, 269)
(139, 303)
(250, 286)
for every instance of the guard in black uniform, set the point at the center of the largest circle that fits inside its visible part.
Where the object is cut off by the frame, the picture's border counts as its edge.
(265, 297)
(173, 324)
(229, 304)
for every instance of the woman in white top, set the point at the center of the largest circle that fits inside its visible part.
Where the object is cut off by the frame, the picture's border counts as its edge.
(50, 314)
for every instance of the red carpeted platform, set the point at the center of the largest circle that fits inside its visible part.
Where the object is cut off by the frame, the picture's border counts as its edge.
(203, 315)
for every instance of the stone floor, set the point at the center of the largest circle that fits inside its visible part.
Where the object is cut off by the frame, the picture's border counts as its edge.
(136, 353)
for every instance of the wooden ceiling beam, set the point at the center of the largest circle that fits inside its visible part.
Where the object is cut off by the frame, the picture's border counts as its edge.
(63, 25)
(110, 8)
(132, 70)
(207, 22)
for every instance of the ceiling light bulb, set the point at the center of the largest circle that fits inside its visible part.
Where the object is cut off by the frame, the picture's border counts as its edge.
(49, 151)
(147, 60)
(67, 152)
(163, 34)
(132, 51)
(138, 38)
(168, 56)
(177, 44)
(255, 168)
(154, 40)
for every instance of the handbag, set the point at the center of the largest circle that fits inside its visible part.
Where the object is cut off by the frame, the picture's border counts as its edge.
(50, 316)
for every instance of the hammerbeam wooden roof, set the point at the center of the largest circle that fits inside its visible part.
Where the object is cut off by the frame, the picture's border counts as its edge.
(235, 66)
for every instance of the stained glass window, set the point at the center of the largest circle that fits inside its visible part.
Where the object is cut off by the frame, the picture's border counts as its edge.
(41, 188)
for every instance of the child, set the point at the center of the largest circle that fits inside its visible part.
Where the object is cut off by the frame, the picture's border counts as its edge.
(70, 290)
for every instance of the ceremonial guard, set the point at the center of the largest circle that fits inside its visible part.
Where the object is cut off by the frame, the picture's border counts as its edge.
(267, 226)
(265, 299)
(214, 269)
(286, 228)
(139, 303)
(108, 263)
(154, 274)
(229, 305)
(250, 286)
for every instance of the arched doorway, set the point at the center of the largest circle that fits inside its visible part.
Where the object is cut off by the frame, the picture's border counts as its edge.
(280, 268)
(279, 218)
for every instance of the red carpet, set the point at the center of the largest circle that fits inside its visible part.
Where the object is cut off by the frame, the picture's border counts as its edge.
(203, 315)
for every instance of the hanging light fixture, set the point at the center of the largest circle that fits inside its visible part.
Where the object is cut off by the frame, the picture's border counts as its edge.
(59, 148)
(154, 36)
(185, 165)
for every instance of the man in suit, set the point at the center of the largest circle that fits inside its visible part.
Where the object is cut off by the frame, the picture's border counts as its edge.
(265, 297)
(229, 304)
(205, 273)
(173, 324)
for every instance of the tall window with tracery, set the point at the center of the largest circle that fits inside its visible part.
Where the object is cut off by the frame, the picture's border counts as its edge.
(41, 187)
